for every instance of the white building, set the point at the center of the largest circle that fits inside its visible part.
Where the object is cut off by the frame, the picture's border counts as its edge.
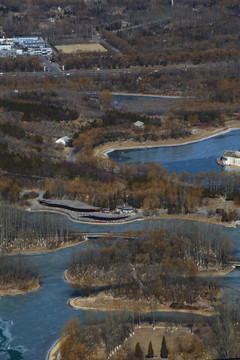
(63, 140)
(5, 47)
(139, 124)
(124, 209)
(231, 158)
(32, 45)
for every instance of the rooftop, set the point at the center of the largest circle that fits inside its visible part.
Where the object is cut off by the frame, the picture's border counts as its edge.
(231, 153)
(78, 205)
(139, 124)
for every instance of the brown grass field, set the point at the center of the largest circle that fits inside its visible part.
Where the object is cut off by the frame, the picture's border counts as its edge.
(70, 49)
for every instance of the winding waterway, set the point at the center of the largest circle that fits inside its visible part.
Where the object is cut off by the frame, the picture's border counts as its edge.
(30, 324)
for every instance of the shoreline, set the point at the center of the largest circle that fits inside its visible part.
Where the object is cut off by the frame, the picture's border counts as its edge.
(54, 349)
(10, 292)
(200, 135)
(105, 302)
(190, 217)
(40, 250)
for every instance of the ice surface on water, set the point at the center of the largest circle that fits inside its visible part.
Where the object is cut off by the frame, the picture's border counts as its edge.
(5, 334)
(6, 351)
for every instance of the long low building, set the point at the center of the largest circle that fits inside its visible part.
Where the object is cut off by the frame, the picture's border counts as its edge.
(101, 217)
(24, 45)
(229, 158)
(82, 211)
(69, 205)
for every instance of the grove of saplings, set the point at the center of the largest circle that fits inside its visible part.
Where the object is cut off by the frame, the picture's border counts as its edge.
(160, 265)
(17, 273)
(22, 231)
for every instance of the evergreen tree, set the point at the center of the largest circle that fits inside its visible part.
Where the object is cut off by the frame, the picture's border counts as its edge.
(164, 350)
(138, 351)
(150, 350)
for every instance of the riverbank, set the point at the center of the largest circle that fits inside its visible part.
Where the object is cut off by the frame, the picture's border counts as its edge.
(206, 273)
(53, 353)
(106, 302)
(40, 250)
(7, 290)
(199, 134)
(190, 217)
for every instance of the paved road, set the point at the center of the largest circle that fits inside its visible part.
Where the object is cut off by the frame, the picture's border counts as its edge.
(133, 70)
(105, 44)
(49, 66)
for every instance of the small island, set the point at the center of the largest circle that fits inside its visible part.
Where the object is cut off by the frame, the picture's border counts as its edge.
(17, 276)
(151, 271)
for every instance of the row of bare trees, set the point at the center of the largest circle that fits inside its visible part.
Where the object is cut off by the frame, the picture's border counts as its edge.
(16, 272)
(23, 230)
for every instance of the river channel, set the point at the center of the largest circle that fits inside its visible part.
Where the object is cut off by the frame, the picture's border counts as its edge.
(30, 324)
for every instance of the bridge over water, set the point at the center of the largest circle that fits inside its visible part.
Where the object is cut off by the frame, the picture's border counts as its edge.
(234, 263)
(114, 234)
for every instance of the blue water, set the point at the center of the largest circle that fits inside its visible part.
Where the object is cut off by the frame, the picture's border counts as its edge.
(30, 324)
(193, 157)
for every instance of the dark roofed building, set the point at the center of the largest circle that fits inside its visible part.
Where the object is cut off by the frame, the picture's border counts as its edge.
(101, 217)
(69, 205)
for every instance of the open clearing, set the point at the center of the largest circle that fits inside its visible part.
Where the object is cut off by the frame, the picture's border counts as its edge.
(72, 48)
(174, 335)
